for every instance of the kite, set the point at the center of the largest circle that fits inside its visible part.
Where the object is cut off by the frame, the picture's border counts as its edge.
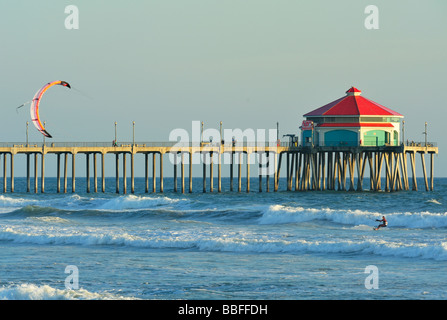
(34, 110)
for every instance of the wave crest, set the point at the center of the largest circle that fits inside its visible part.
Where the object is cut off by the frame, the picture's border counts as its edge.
(278, 214)
(230, 241)
(28, 291)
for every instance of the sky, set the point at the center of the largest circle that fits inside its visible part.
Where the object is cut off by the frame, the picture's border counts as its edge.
(249, 64)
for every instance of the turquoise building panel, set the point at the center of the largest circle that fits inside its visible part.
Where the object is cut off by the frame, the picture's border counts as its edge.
(337, 138)
(375, 138)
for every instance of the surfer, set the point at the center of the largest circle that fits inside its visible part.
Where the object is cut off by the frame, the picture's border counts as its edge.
(383, 224)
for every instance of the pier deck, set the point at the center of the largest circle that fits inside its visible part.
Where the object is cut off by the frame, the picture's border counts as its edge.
(308, 167)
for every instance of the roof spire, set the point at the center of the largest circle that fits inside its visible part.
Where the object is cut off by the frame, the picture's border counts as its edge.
(353, 91)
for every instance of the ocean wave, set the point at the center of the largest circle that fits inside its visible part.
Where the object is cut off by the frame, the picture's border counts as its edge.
(126, 206)
(29, 291)
(77, 202)
(225, 241)
(279, 214)
(134, 202)
(10, 204)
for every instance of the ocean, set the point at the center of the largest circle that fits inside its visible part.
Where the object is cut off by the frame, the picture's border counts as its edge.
(285, 245)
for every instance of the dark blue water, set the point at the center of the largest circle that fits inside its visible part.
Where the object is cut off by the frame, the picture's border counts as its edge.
(229, 245)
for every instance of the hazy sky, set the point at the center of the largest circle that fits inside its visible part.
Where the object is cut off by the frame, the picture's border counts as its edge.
(248, 63)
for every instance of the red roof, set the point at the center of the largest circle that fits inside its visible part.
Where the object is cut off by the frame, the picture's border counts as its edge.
(356, 124)
(353, 105)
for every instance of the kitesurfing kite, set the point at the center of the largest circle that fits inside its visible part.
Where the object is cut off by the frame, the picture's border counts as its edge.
(34, 110)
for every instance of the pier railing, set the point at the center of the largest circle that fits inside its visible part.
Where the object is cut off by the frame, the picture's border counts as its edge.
(195, 144)
(139, 144)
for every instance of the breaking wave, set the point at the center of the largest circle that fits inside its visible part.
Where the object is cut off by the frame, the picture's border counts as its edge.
(225, 241)
(279, 214)
(28, 291)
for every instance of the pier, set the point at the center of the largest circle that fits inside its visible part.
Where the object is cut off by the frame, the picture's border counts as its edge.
(307, 167)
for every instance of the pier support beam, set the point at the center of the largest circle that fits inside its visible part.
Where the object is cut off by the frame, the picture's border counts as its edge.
(219, 172)
(267, 178)
(260, 171)
(4, 173)
(146, 172)
(248, 172)
(95, 174)
(297, 170)
(175, 172)
(424, 170)
(154, 173)
(73, 172)
(58, 172)
(124, 174)
(12, 172)
(413, 169)
(239, 173)
(87, 171)
(28, 182)
(35, 172)
(42, 174)
(432, 171)
(65, 171)
(132, 173)
(117, 173)
(161, 172)
(103, 173)
(211, 172)
(287, 170)
(182, 170)
(277, 170)
(231, 170)
(190, 172)
(323, 169)
(204, 173)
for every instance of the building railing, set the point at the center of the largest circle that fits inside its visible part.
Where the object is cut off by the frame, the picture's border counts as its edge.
(420, 144)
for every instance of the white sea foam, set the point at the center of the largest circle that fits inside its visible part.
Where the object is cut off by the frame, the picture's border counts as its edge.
(278, 214)
(434, 201)
(133, 202)
(14, 201)
(49, 219)
(224, 240)
(28, 291)
(10, 204)
(76, 203)
(72, 202)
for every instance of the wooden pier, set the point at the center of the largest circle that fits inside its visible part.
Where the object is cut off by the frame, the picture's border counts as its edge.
(307, 168)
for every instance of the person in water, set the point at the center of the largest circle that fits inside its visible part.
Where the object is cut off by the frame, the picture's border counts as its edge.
(383, 224)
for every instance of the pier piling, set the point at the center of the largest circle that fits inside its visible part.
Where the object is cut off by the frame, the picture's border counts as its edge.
(307, 168)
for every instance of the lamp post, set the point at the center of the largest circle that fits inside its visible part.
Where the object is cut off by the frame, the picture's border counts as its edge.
(425, 132)
(221, 139)
(403, 132)
(277, 134)
(115, 133)
(201, 135)
(133, 133)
